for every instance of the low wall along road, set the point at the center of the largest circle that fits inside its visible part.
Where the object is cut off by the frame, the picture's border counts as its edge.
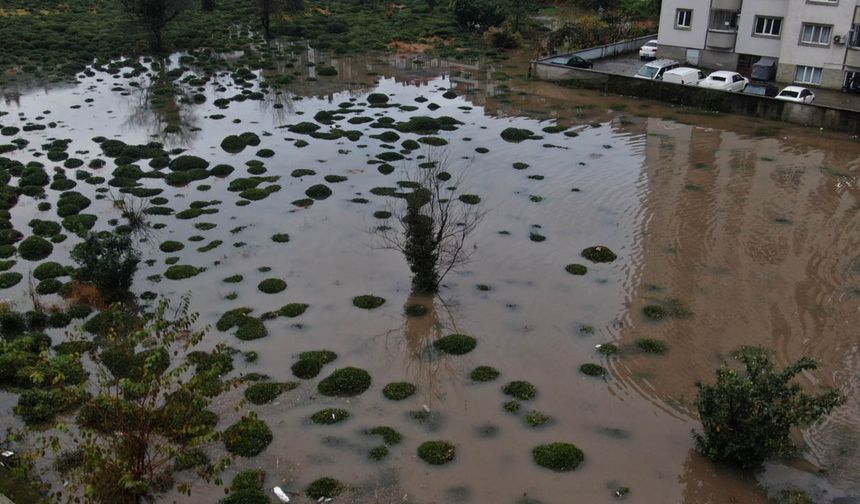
(817, 116)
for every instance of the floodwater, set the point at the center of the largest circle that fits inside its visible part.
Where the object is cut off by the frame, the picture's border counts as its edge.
(751, 226)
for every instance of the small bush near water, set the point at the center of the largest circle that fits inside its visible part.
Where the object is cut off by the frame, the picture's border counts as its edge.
(747, 415)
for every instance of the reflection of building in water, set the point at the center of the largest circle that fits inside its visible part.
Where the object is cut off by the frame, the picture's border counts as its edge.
(748, 241)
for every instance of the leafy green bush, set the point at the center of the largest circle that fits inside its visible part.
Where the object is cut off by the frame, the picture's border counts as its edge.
(558, 456)
(747, 416)
(436, 452)
(35, 248)
(109, 261)
(345, 382)
(247, 437)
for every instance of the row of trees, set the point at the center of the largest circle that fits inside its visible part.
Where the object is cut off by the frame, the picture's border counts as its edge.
(154, 16)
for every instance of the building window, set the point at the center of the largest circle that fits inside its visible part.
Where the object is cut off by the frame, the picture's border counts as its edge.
(725, 20)
(815, 34)
(807, 75)
(767, 26)
(683, 18)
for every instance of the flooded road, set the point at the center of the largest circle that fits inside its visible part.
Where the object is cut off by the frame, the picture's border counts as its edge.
(749, 228)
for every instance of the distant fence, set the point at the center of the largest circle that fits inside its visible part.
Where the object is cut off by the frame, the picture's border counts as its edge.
(708, 99)
(614, 49)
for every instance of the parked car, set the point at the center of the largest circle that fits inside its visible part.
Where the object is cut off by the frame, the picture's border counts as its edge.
(764, 69)
(796, 94)
(655, 69)
(725, 81)
(572, 61)
(649, 50)
(683, 75)
(761, 89)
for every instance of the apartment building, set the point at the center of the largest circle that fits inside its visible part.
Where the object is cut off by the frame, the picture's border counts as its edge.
(815, 42)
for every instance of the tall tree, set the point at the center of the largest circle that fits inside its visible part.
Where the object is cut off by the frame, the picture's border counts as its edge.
(435, 223)
(154, 16)
(207, 5)
(266, 9)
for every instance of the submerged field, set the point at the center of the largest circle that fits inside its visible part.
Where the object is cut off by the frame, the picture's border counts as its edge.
(266, 198)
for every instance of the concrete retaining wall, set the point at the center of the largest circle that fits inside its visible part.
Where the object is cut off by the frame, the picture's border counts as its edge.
(614, 49)
(720, 101)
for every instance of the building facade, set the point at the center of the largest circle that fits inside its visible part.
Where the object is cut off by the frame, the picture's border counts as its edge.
(815, 42)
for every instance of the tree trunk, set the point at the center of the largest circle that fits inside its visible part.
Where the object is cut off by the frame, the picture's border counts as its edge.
(207, 5)
(266, 19)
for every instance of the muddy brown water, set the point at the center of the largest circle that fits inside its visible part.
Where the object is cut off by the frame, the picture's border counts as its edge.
(757, 236)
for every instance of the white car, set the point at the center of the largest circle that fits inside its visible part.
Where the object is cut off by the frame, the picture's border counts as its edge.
(649, 50)
(725, 81)
(796, 94)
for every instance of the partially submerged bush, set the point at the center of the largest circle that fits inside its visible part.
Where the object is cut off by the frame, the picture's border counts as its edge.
(592, 369)
(389, 435)
(599, 254)
(324, 488)
(311, 363)
(559, 457)
(398, 391)
(182, 271)
(35, 248)
(576, 269)
(345, 382)
(747, 416)
(517, 135)
(436, 452)
(484, 374)
(109, 262)
(368, 302)
(266, 392)
(456, 344)
(521, 390)
(247, 437)
(329, 416)
(651, 345)
(272, 285)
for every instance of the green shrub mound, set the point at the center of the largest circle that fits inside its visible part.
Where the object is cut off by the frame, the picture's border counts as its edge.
(266, 392)
(484, 374)
(182, 271)
(272, 285)
(35, 248)
(470, 199)
(368, 302)
(455, 344)
(599, 254)
(517, 135)
(233, 144)
(521, 390)
(378, 452)
(608, 349)
(324, 488)
(187, 163)
(248, 437)
(592, 369)
(654, 312)
(251, 328)
(280, 238)
(436, 452)
(49, 286)
(397, 391)
(345, 382)
(747, 415)
(389, 436)
(10, 279)
(311, 363)
(558, 456)
(576, 269)
(40, 406)
(318, 192)
(329, 416)
(651, 345)
(292, 310)
(170, 246)
(377, 98)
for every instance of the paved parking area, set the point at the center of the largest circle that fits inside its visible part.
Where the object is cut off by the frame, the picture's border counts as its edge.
(629, 64)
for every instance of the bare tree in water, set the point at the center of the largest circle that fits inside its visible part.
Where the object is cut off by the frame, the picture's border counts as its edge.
(434, 220)
(154, 16)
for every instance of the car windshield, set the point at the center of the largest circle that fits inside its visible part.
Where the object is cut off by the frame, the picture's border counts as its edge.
(651, 44)
(718, 78)
(789, 94)
(647, 71)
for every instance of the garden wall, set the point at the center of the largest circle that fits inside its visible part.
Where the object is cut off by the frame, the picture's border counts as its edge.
(831, 118)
